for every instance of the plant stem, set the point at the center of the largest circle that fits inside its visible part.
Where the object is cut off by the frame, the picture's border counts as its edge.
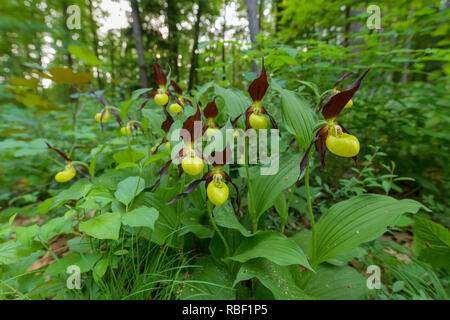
(291, 196)
(227, 248)
(311, 216)
(250, 192)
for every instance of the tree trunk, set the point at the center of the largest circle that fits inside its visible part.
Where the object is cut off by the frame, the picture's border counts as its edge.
(194, 56)
(278, 9)
(139, 47)
(252, 12)
(172, 18)
(224, 29)
(95, 42)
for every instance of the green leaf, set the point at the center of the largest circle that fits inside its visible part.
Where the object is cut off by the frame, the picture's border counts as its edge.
(267, 188)
(225, 217)
(84, 262)
(105, 226)
(280, 205)
(76, 191)
(236, 102)
(8, 252)
(432, 242)
(210, 281)
(351, 222)
(55, 227)
(85, 54)
(127, 155)
(167, 222)
(100, 269)
(155, 157)
(273, 246)
(141, 217)
(128, 189)
(136, 93)
(278, 279)
(196, 221)
(25, 235)
(298, 116)
(337, 283)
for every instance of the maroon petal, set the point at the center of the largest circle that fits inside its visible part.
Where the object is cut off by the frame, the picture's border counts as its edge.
(211, 111)
(61, 153)
(176, 87)
(272, 120)
(321, 146)
(235, 120)
(159, 77)
(168, 122)
(117, 116)
(338, 101)
(162, 173)
(258, 87)
(238, 196)
(305, 158)
(345, 76)
(102, 101)
(189, 125)
(190, 188)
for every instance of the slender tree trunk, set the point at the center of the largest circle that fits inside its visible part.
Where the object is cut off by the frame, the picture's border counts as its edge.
(95, 42)
(224, 29)
(194, 56)
(260, 14)
(172, 18)
(252, 12)
(278, 9)
(139, 47)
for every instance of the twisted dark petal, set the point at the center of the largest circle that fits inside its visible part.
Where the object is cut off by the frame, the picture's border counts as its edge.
(305, 158)
(138, 125)
(179, 102)
(61, 153)
(321, 145)
(82, 173)
(101, 119)
(189, 125)
(160, 76)
(248, 112)
(102, 101)
(258, 87)
(131, 130)
(272, 120)
(189, 102)
(143, 105)
(159, 145)
(162, 173)
(117, 116)
(168, 122)
(180, 170)
(190, 188)
(235, 120)
(238, 196)
(355, 159)
(176, 87)
(345, 76)
(337, 102)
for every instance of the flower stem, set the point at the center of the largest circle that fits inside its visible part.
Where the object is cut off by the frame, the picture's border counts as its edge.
(311, 216)
(227, 248)
(250, 192)
(291, 196)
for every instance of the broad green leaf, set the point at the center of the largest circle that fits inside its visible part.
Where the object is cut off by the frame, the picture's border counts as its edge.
(155, 157)
(8, 252)
(297, 114)
(167, 222)
(55, 227)
(277, 279)
(280, 205)
(127, 155)
(197, 222)
(84, 261)
(100, 269)
(337, 283)
(210, 281)
(351, 222)
(225, 217)
(76, 191)
(136, 93)
(432, 241)
(141, 217)
(105, 226)
(25, 235)
(267, 188)
(128, 189)
(236, 102)
(273, 246)
(85, 54)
